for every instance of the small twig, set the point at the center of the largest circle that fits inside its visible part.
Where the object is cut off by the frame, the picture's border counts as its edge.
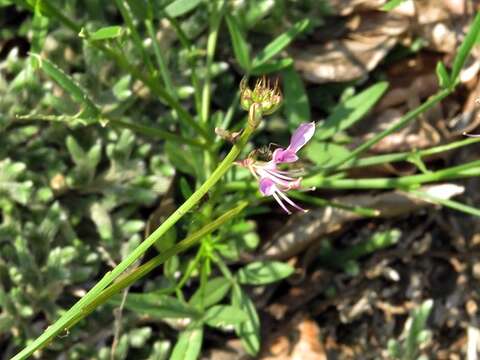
(118, 324)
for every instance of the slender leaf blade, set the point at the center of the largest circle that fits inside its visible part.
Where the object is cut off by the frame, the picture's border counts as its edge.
(350, 111)
(106, 33)
(264, 272)
(189, 344)
(272, 66)
(296, 104)
(240, 46)
(279, 43)
(442, 75)
(181, 7)
(69, 85)
(465, 49)
(157, 306)
(392, 4)
(214, 291)
(249, 330)
(221, 315)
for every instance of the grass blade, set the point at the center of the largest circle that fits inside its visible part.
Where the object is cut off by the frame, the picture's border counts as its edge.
(240, 46)
(296, 104)
(350, 111)
(279, 43)
(70, 86)
(465, 49)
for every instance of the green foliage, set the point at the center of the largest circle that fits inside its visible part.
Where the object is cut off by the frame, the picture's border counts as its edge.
(106, 33)
(392, 4)
(296, 105)
(278, 44)
(127, 116)
(350, 111)
(415, 334)
(263, 272)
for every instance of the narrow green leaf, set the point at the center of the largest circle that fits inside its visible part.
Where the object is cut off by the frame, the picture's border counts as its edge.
(240, 46)
(272, 66)
(157, 306)
(415, 328)
(392, 4)
(296, 104)
(465, 49)
(214, 291)
(69, 85)
(181, 7)
(221, 315)
(349, 112)
(279, 43)
(249, 330)
(442, 75)
(189, 344)
(264, 272)
(324, 154)
(106, 33)
(77, 154)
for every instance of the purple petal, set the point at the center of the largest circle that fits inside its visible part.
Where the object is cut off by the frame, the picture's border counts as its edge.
(267, 186)
(284, 156)
(301, 136)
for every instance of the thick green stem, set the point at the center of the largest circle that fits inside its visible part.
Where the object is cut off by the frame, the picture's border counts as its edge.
(70, 316)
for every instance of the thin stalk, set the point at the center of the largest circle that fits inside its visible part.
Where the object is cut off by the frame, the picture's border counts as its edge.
(156, 133)
(211, 46)
(447, 203)
(470, 169)
(216, 18)
(70, 316)
(161, 63)
(137, 41)
(186, 44)
(403, 156)
(138, 273)
(404, 120)
(462, 171)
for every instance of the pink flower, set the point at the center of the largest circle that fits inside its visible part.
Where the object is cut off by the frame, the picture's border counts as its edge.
(273, 181)
(299, 138)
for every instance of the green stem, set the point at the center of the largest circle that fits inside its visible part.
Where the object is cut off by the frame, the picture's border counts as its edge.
(211, 45)
(137, 40)
(70, 316)
(403, 156)
(447, 203)
(161, 63)
(399, 125)
(470, 169)
(158, 260)
(462, 171)
(155, 133)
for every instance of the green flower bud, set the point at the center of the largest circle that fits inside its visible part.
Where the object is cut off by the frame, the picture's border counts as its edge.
(267, 97)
